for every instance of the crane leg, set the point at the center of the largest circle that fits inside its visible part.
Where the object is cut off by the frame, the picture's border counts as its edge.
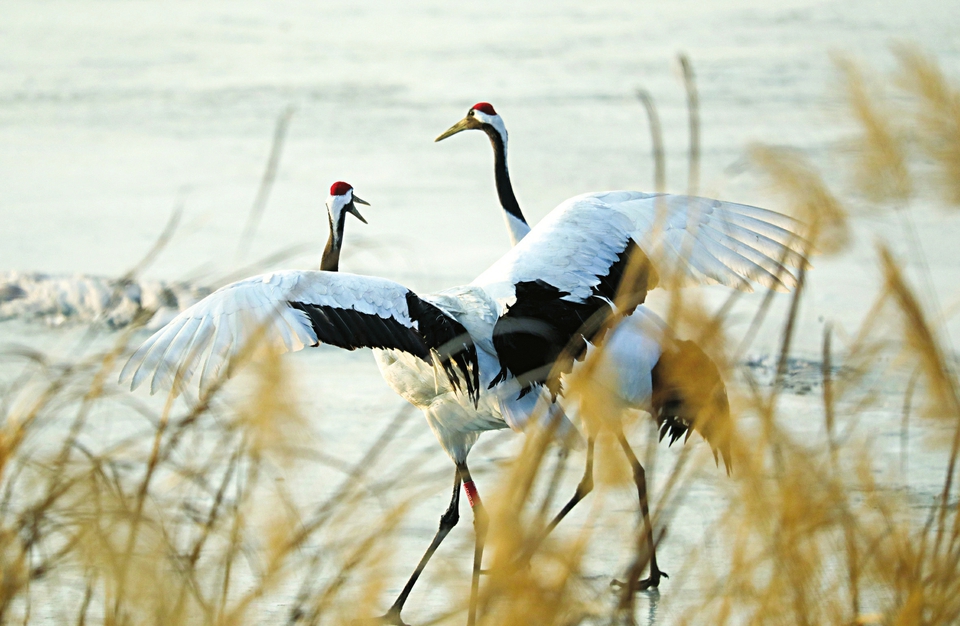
(480, 523)
(634, 583)
(447, 521)
(585, 487)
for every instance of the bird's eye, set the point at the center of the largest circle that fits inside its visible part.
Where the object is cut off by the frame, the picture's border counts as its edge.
(470, 114)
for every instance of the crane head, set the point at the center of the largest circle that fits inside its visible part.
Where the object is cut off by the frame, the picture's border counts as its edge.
(342, 199)
(481, 116)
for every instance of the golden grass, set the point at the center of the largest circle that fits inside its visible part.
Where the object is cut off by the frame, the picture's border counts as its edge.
(880, 171)
(934, 118)
(174, 515)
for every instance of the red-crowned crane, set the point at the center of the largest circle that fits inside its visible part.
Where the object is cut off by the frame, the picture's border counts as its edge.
(642, 366)
(465, 356)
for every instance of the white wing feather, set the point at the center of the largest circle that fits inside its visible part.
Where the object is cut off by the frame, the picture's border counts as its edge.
(214, 330)
(694, 240)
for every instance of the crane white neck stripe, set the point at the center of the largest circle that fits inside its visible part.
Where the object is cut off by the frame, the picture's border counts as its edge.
(496, 122)
(516, 227)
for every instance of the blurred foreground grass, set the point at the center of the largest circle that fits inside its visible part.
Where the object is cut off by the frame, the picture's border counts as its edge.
(176, 517)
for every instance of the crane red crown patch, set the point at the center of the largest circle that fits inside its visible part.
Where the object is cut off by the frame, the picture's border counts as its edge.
(484, 107)
(340, 188)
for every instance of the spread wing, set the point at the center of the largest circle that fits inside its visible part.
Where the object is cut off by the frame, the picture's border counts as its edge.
(554, 288)
(698, 240)
(291, 310)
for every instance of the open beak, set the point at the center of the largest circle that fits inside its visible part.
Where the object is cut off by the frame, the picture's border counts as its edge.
(353, 209)
(466, 123)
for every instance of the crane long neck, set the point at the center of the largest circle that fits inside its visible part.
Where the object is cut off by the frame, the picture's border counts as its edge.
(330, 261)
(516, 224)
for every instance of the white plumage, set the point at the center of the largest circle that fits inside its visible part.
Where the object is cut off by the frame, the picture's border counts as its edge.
(215, 329)
(578, 247)
(570, 249)
(695, 240)
(688, 240)
(453, 357)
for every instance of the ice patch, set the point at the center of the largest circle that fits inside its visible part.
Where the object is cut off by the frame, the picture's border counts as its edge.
(58, 300)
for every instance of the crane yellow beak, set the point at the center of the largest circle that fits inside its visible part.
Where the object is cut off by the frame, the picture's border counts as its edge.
(466, 123)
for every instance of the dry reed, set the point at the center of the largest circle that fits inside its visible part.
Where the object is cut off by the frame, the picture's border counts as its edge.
(116, 511)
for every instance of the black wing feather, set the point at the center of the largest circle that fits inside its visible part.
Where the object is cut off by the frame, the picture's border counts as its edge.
(451, 342)
(540, 328)
(344, 328)
(436, 333)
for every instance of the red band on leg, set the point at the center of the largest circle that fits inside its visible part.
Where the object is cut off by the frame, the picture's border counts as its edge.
(471, 490)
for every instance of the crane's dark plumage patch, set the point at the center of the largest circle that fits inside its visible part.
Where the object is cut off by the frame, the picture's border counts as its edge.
(689, 394)
(631, 263)
(451, 342)
(437, 333)
(350, 329)
(540, 328)
(544, 325)
(502, 177)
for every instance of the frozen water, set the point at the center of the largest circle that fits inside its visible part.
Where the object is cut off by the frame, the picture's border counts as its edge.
(57, 300)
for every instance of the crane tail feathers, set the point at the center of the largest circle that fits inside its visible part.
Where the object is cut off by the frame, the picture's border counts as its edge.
(689, 394)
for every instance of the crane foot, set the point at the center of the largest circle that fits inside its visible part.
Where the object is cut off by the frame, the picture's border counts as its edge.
(390, 617)
(651, 582)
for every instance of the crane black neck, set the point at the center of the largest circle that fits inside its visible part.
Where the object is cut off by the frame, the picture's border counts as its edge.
(504, 189)
(330, 262)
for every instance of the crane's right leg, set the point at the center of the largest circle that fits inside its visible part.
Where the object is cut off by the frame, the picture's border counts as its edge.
(447, 521)
(480, 522)
(650, 556)
(585, 487)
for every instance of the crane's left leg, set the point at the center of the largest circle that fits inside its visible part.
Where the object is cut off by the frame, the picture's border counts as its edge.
(633, 575)
(480, 522)
(447, 521)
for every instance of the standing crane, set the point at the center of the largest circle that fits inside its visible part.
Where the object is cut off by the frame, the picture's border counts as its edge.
(466, 356)
(642, 366)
